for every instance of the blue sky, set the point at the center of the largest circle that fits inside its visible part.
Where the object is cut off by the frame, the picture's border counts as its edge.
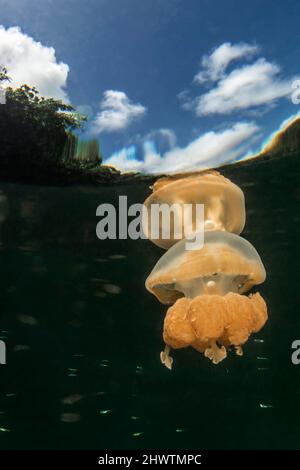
(169, 84)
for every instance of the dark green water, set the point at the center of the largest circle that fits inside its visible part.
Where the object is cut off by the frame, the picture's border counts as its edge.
(83, 367)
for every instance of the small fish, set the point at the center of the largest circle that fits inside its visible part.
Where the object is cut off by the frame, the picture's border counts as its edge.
(105, 412)
(71, 399)
(27, 320)
(117, 257)
(112, 288)
(265, 405)
(70, 417)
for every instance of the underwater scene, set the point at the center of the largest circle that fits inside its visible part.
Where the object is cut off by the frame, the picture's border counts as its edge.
(149, 232)
(84, 336)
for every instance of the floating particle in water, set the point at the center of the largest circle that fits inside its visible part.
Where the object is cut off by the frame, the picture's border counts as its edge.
(72, 399)
(249, 185)
(105, 412)
(257, 340)
(11, 395)
(70, 417)
(78, 355)
(139, 369)
(112, 288)
(265, 405)
(134, 418)
(104, 363)
(179, 430)
(27, 249)
(72, 372)
(21, 347)
(27, 320)
(262, 358)
(263, 368)
(99, 393)
(116, 257)
(137, 434)
(100, 294)
(4, 430)
(98, 279)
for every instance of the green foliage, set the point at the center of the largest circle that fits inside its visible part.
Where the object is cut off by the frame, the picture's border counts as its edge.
(88, 151)
(33, 128)
(81, 153)
(3, 75)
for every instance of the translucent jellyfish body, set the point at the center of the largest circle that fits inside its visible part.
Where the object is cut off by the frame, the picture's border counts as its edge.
(206, 284)
(224, 206)
(226, 263)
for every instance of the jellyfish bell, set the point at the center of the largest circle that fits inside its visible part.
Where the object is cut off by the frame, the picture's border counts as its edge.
(223, 201)
(205, 286)
(225, 263)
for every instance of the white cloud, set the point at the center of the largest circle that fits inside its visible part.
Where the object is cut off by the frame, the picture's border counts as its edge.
(186, 102)
(209, 150)
(254, 87)
(245, 87)
(165, 134)
(117, 112)
(28, 61)
(215, 64)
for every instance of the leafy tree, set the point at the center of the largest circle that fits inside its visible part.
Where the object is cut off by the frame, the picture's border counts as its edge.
(33, 128)
(3, 75)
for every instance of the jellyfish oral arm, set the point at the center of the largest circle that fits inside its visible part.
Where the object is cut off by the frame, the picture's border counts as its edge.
(165, 358)
(214, 353)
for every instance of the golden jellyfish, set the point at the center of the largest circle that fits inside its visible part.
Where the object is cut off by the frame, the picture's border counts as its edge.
(224, 206)
(206, 286)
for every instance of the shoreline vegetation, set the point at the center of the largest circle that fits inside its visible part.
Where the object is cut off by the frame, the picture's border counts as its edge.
(39, 147)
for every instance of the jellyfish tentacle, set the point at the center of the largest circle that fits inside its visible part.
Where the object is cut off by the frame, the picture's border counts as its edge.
(215, 353)
(239, 350)
(165, 357)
